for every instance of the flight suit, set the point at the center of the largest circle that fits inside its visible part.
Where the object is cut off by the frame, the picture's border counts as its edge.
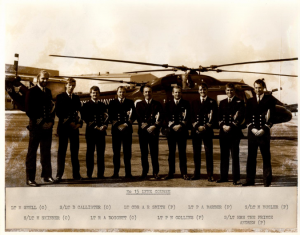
(152, 114)
(67, 110)
(120, 114)
(203, 114)
(95, 115)
(259, 116)
(177, 114)
(39, 104)
(231, 114)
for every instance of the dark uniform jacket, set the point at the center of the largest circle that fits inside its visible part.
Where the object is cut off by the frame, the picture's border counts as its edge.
(94, 114)
(205, 114)
(121, 113)
(39, 104)
(231, 114)
(152, 114)
(260, 115)
(67, 108)
(177, 114)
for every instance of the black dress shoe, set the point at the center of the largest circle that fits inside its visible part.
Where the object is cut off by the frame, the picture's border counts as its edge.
(210, 179)
(128, 176)
(267, 184)
(143, 176)
(101, 177)
(185, 177)
(48, 180)
(235, 182)
(168, 177)
(78, 178)
(248, 184)
(115, 176)
(31, 183)
(58, 179)
(90, 177)
(221, 181)
(156, 176)
(195, 177)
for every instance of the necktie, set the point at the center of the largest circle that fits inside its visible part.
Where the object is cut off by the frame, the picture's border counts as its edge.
(176, 102)
(229, 100)
(258, 99)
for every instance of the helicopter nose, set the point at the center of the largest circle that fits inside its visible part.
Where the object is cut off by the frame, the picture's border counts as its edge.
(282, 114)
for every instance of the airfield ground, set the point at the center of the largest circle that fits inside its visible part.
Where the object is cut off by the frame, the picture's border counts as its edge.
(284, 149)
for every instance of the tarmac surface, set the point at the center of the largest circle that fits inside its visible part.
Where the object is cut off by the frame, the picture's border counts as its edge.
(284, 149)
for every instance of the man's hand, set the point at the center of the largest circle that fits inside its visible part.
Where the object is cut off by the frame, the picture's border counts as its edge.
(72, 125)
(226, 128)
(103, 128)
(254, 131)
(261, 132)
(194, 124)
(201, 128)
(144, 124)
(151, 129)
(177, 127)
(77, 126)
(47, 125)
(122, 127)
(38, 121)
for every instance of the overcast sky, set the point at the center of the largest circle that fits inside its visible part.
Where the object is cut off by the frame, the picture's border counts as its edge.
(189, 33)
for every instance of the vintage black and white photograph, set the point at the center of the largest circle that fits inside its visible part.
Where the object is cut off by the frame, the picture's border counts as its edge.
(150, 99)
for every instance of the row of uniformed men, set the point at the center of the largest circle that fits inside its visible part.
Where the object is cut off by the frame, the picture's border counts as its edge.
(177, 117)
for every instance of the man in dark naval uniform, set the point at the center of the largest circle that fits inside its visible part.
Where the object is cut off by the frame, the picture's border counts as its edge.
(177, 118)
(67, 110)
(231, 116)
(95, 115)
(260, 111)
(40, 110)
(122, 114)
(150, 117)
(203, 117)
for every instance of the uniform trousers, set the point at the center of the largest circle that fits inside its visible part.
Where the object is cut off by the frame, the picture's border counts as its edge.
(150, 140)
(64, 136)
(230, 144)
(122, 138)
(263, 142)
(43, 138)
(180, 139)
(95, 140)
(208, 146)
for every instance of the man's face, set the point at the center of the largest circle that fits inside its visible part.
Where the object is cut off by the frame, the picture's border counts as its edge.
(121, 93)
(177, 93)
(70, 87)
(147, 93)
(43, 80)
(202, 91)
(95, 94)
(258, 88)
(230, 92)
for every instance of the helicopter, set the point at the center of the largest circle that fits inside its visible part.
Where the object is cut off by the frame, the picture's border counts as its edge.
(161, 87)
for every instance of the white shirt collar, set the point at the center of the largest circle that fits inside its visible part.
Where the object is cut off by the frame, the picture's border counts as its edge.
(148, 101)
(231, 98)
(42, 88)
(203, 98)
(177, 101)
(70, 95)
(260, 96)
(95, 101)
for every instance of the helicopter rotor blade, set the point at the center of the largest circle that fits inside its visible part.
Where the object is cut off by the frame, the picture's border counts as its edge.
(230, 71)
(122, 61)
(253, 62)
(101, 79)
(153, 70)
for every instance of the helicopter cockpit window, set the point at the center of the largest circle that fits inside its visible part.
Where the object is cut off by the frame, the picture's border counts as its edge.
(248, 94)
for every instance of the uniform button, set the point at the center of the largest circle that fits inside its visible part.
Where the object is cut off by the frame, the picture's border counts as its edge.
(253, 115)
(229, 121)
(230, 115)
(223, 115)
(253, 123)
(260, 115)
